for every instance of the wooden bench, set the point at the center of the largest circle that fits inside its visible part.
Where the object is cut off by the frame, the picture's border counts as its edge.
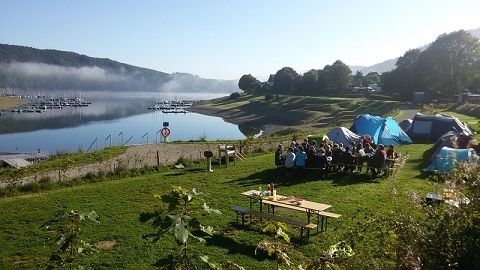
(321, 217)
(287, 220)
(325, 216)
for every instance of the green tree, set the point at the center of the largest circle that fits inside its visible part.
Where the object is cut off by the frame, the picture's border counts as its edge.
(452, 62)
(358, 80)
(309, 82)
(248, 83)
(406, 78)
(337, 77)
(372, 78)
(284, 81)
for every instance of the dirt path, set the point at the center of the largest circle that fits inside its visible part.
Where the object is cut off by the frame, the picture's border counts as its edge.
(407, 112)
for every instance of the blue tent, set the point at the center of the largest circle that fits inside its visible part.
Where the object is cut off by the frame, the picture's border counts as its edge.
(382, 130)
(446, 158)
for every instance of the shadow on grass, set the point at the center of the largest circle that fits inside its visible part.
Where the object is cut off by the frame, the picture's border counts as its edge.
(231, 245)
(299, 177)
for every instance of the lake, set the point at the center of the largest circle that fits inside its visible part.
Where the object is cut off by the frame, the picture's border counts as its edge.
(122, 116)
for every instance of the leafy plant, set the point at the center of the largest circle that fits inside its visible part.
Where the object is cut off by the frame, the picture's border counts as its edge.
(65, 228)
(329, 258)
(276, 249)
(180, 219)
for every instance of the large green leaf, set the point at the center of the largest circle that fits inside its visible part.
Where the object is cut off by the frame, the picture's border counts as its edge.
(93, 216)
(208, 230)
(207, 209)
(283, 235)
(180, 230)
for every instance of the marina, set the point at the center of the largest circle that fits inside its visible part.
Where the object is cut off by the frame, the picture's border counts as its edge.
(120, 117)
(41, 104)
(172, 106)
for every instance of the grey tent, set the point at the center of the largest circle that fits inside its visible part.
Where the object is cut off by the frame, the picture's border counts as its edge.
(342, 135)
(432, 127)
(405, 124)
(452, 140)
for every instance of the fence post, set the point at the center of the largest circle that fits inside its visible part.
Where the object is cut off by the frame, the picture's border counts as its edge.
(91, 144)
(158, 159)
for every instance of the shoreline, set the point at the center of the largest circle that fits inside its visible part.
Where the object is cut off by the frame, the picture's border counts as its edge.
(246, 122)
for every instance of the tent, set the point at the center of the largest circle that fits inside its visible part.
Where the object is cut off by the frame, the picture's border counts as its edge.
(382, 130)
(446, 158)
(405, 124)
(452, 140)
(432, 127)
(342, 135)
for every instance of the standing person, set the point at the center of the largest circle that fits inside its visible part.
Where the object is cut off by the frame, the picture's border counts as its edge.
(289, 159)
(279, 156)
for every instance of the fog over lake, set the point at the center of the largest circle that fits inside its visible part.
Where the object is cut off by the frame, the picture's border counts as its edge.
(111, 113)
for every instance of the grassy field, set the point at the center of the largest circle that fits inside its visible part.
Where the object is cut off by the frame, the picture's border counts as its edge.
(11, 102)
(119, 204)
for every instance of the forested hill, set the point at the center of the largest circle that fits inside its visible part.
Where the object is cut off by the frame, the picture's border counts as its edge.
(31, 68)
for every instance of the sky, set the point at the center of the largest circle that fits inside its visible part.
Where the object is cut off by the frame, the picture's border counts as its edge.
(226, 39)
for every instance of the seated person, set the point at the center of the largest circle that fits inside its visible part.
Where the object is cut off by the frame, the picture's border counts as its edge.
(348, 159)
(300, 157)
(289, 158)
(311, 153)
(377, 161)
(336, 157)
(279, 156)
(368, 149)
(360, 157)
(321, 159)
(391, 154)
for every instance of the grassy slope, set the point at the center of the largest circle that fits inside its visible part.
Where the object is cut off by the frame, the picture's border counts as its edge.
(305, 111)
(120, 202)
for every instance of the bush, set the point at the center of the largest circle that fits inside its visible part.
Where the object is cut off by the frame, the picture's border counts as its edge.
(235, 95)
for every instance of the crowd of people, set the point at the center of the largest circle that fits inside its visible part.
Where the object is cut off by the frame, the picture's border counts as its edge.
(335, 157)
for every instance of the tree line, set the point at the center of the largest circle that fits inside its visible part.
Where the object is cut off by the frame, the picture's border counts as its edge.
(448, 66)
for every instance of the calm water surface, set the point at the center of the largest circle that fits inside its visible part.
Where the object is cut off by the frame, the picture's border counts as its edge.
(121, 115)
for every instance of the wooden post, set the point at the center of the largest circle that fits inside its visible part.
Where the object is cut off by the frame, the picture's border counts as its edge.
(158, 159)
(220, 155)
(59, 176)
(227, 158)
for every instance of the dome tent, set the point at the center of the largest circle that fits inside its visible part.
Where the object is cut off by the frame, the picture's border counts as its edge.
(432, 127)
(450, 139)
(342, 135)
(446, 158)
(382, 130)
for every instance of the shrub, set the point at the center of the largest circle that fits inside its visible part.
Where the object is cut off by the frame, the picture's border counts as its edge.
(235, 95)
(269, 97)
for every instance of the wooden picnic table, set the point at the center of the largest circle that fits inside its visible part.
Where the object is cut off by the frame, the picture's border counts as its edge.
(286, 202)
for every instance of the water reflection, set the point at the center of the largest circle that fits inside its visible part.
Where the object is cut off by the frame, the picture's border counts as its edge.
(105, 106)
(72, 128)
